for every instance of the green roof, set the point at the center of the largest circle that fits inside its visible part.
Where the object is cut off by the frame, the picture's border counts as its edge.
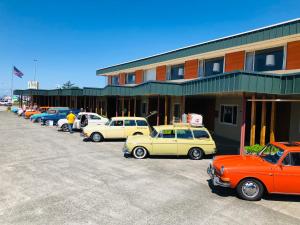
(262, 34)
(233, 82)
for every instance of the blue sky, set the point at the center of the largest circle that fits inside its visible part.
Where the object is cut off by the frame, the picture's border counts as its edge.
(71, 39)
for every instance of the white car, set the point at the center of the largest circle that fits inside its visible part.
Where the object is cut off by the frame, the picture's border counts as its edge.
(82, 120)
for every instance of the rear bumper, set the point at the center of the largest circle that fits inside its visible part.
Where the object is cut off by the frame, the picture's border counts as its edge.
(215, 179)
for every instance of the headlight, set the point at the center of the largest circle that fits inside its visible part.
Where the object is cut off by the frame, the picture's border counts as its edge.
(222, 170)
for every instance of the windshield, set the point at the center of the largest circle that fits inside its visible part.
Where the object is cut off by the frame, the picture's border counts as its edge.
(271, 153)
(153, 133)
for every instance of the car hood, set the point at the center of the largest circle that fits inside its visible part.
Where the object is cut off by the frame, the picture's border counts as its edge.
(239, 161)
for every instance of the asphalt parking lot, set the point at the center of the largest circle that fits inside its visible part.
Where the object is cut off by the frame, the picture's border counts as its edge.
(51, 177)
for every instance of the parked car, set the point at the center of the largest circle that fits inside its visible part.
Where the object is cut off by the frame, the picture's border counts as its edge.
(117, 128)
(276, 169)
(178, 139)
(60, 114)
(14, 109)
(82, 120)
(40, 110)
(52, 110)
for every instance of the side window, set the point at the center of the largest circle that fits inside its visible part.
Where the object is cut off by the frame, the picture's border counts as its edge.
(167, 134)
(117, 123)
(129, 123)
(141, 123)
(94, 117)
(79, 117)
(286, 160)
(184, 134)
(200, 134)
(295, 159)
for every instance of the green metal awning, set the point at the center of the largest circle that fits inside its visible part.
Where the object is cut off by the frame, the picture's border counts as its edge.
(234, 82)
(263, 34)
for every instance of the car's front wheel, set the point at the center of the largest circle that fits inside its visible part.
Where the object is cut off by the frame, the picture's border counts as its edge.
(250, 189)
(196, 154)
(139, 152)
(65, 127)
(97, 137)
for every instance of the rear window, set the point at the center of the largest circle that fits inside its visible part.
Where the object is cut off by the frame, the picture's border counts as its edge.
(200, 134)
(130, 123)
(141, 123)
(184, 134)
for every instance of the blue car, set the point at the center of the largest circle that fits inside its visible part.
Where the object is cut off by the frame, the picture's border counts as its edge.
(62, 114)
(53, 110)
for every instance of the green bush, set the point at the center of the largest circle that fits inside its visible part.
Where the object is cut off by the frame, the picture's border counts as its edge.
(254, 149)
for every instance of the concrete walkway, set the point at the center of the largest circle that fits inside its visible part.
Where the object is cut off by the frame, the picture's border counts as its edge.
(50, 177)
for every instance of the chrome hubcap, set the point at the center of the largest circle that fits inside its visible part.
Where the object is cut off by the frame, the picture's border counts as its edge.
(250, 189)
(196, 153)
(140, 152)
(96, 137)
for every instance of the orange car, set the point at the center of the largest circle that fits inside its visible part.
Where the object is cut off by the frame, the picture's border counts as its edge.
(29, 113)
(276, 169)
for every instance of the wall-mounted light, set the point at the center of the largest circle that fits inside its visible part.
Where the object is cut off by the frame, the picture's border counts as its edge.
(216, 67)
(270, 60)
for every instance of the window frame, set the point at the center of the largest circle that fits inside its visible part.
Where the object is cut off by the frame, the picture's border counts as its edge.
(229, 105)
(130, 74)
(192, 134)
(115, 77)
(169, 71)
(212, 59)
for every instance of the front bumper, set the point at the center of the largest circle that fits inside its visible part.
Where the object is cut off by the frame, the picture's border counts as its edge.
(215, 179)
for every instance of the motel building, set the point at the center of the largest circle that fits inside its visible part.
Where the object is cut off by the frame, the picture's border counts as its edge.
(246, 86)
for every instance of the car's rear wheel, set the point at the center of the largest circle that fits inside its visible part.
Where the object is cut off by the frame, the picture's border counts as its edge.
(97, 137)
(196, 153)
(65, 127)
(139, 152)
(250, 189)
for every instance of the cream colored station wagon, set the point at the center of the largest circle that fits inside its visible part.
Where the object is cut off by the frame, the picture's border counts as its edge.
(117, 128)
(178, 139)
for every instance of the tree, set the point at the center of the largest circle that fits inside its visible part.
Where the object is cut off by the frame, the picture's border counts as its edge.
(68, 85)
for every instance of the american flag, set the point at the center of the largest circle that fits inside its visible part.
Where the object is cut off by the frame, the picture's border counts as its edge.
(17, 72)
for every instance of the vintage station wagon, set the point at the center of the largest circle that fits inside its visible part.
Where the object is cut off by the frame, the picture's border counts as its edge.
(178, 139)
(276, 169)
(117, 128)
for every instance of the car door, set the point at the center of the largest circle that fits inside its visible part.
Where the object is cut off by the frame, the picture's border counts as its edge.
(116, 129)
(76, 124)
(165, 143)
(287, 174)
(185, 141)
(204, 141)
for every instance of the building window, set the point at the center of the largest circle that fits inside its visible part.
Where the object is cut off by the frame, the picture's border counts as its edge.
(228, 114)
(175, 72)
(149, 74)
(201, 68)
(249, 64)
(130, 78)
(115, 80)
(269, 59)
(214, 66)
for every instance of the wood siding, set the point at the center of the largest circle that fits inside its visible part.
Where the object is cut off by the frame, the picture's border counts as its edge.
(139, 76)
(293, 55)
(234, 61)
(191, 69)
(161, 73)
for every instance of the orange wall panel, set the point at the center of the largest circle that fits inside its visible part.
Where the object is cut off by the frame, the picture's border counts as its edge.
(108, 80)
(122, 78)
(234, 61)
(139, 76)
(293, 55)
(161, 73)
(191, 69)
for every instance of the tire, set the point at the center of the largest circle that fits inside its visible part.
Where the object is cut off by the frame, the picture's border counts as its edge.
(250, 189)
(38, 120)
(65, 127)
(139, 152)
(196, 153)
(97, 137)
(138, 133)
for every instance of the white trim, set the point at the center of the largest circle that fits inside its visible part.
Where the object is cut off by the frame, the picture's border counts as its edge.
(205, 42)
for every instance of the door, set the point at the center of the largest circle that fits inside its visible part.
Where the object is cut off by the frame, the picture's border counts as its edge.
(115, 129)
(165, 143)
(185, 141)
(76, 124)
(287, 175)
(95, 120)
